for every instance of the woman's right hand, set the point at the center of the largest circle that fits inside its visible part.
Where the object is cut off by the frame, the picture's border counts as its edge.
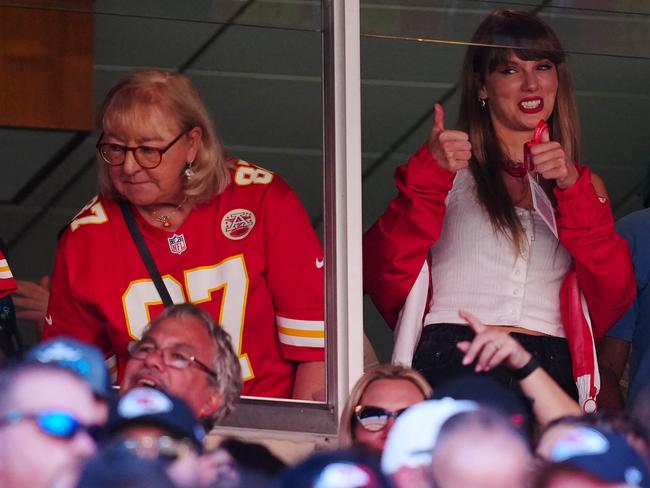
(450, 148)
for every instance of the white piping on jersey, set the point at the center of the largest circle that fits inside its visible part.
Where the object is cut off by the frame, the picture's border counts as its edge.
(305, 333)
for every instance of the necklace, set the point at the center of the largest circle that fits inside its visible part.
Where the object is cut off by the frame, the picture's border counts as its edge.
(164, 219)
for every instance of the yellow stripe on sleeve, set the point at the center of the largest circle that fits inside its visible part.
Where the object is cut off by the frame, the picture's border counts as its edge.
(301, 333)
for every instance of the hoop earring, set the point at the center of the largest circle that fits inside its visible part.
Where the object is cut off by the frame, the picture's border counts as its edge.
(482, 102)
(188, 170)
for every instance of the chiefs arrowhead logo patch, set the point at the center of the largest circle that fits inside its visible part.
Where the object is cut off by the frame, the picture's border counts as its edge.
(237, 223)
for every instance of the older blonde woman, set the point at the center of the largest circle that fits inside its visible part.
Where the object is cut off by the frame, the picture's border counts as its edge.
(376, 400)
(223, 233)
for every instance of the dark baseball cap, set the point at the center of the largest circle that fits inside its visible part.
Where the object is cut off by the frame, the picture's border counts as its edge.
(606, 456)
(488, 392)
(336, 469)
(148, 406)
(84, 359)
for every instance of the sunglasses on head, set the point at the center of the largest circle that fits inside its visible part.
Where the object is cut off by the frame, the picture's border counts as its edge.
(53, 422)
(374, 419)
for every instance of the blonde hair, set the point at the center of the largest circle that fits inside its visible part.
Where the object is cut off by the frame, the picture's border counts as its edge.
(173, 95)
(380, 372)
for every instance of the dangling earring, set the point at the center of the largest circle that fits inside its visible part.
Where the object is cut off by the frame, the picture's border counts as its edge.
(188, 170)
(482, 102)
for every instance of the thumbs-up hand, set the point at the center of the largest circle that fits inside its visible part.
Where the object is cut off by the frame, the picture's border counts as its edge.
(450, 148)
(551, 162)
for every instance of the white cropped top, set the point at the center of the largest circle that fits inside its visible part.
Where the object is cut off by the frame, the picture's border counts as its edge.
(475, 268)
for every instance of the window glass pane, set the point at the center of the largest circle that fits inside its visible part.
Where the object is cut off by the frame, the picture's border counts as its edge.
(256, 64)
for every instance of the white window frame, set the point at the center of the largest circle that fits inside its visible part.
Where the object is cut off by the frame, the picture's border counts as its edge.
(313, 421)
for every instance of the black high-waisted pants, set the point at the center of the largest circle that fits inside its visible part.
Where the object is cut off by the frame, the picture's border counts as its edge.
(438, 358)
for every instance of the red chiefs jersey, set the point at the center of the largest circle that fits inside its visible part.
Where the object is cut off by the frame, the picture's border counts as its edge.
(249, 256)
(7, 282)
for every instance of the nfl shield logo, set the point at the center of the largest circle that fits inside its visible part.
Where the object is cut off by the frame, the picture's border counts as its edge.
(177, 244)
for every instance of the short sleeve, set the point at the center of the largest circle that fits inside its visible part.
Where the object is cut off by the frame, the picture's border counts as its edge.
(295, 276)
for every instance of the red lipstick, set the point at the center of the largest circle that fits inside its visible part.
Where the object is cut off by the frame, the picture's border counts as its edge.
(531, 105)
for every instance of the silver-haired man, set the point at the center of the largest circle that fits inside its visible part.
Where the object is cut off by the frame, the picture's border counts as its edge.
(186, 354)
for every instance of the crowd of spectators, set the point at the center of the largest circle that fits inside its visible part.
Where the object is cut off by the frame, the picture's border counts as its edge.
(63, 425)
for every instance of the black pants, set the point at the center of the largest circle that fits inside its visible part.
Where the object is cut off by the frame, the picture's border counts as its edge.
(438, 358)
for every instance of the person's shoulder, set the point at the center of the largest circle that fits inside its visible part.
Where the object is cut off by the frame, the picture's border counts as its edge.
(636, 222)
(93, 218)
(253, 178)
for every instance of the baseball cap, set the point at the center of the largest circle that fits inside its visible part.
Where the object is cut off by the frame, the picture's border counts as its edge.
(149, 406)
(488, 392)
(336, 469)
(83, 359)
(414, 433)
(606, 456)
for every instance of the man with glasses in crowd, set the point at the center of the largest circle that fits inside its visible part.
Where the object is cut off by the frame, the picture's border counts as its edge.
(184, 353)
(47, 415)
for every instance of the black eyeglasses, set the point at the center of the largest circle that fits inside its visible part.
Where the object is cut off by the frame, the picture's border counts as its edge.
(146, 156)
(178, 357)
(56, 423)
(374, 419)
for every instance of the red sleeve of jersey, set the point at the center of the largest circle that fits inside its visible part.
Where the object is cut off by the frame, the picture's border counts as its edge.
(7, 282)
(295, 276)
(602, 257)
(65, 316)
(397, 245)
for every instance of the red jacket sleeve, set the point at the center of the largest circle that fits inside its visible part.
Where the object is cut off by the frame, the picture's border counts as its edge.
(602, 257)
(397, 245)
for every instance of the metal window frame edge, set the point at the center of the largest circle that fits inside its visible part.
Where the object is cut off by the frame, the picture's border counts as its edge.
(315, 421)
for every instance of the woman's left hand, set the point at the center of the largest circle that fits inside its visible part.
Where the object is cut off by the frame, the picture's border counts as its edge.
(491, 347)
(552, 163)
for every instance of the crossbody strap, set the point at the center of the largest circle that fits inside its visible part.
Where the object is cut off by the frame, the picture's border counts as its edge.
(144, 253)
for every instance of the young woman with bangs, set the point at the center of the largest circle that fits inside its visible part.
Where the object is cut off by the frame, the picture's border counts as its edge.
(470, 230)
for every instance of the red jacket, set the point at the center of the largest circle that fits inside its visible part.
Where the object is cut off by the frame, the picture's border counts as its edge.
(398, 244)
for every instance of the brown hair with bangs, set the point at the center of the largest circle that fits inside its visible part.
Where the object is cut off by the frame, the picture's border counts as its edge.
(130, 103)
(499, 35)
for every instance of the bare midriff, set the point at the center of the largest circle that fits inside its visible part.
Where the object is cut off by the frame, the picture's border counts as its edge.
(518, 330)
(510, 329)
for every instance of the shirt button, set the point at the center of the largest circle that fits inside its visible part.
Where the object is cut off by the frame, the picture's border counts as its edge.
(516, 293)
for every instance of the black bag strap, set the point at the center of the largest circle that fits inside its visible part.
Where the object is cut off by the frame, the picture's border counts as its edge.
(144, 253)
